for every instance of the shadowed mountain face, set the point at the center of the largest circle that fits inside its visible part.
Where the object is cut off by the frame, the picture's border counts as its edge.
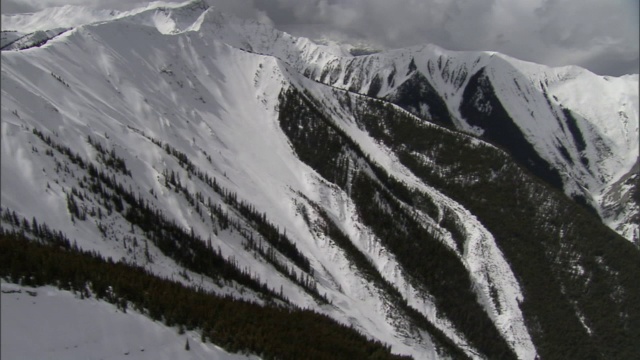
(484, 111)
(422, 198)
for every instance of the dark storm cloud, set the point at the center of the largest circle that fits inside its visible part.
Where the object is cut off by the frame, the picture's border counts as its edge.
(601, 35)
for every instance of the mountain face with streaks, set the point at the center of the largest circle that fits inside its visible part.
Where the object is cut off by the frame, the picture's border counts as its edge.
(447, 204)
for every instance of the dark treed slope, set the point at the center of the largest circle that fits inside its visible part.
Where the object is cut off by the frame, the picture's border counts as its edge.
(330, 151)
(273, 332)
(579, 277)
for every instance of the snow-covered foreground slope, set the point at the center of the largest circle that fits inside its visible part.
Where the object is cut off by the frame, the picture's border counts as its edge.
(165, 99)
(47, 323)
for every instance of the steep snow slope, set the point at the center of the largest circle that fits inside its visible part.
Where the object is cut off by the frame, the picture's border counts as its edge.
(69, 16)
(588, 129)
(216, 104)
(481, 256)
(583, 126)
(47, 323)
(210, 102)
(208, 86)
(589, 139)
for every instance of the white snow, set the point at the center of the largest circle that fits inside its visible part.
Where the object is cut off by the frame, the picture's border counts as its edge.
(198, 95)
(47, 323)
(605, 108)
(208, 85)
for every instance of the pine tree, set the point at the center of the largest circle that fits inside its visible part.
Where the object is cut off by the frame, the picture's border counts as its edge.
(186, 345)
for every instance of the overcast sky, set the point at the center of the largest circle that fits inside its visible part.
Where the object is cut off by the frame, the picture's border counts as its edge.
(601, 35)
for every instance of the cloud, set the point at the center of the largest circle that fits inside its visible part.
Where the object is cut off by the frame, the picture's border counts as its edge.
(599, 35)
(15, 6)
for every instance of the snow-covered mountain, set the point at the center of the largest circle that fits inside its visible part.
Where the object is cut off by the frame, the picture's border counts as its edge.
(575, 129)
(386, 217)
(61, 326)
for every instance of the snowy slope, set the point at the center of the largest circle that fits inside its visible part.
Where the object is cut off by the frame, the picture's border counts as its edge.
(606, 118)
(187, 102)
(210, 101)
(534, 96)
(69, 16)
(208, 85)
(600, 134)
(47, 323)
(604, 111)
